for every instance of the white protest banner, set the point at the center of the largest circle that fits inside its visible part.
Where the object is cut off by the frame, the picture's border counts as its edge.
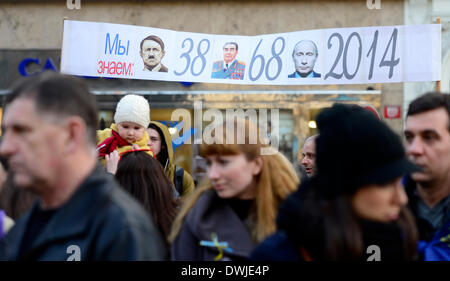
(361, 55)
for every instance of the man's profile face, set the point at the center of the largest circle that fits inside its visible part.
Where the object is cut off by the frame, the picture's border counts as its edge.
(304, 57)
(151, 53)
(309, 157)
(33, 144)
(428, 144)
(229, 53)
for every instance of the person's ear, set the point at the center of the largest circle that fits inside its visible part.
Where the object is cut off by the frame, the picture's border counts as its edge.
(76, 131)
(258, 163)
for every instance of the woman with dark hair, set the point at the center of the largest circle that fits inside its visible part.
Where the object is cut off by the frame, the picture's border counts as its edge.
(143, 177)
(14, 202)
(160, 141)
(353, 208)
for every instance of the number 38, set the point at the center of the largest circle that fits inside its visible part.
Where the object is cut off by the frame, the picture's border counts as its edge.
(200, 55)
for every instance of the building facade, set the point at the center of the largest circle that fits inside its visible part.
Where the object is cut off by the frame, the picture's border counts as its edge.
(31, 43)
(425, 12)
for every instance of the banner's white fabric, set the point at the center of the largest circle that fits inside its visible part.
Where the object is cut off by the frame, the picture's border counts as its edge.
(378, 54)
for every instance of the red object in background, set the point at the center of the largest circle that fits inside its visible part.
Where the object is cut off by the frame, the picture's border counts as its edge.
(372, 109)
(392, 111)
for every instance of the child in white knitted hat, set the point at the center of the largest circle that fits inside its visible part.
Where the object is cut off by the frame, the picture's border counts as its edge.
(129, 130)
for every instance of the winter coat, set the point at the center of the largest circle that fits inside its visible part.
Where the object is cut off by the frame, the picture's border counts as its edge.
(426, 230)
(276, 247)
(301, 237)
(100, 220)
(166, 140)
(211, 216)
(280, 246)
(434, 242)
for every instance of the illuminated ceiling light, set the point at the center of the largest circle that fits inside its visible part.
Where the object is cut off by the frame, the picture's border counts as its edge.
(312, 124)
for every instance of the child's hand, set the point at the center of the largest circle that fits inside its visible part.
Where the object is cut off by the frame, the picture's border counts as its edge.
(112, 160)
(135, 147)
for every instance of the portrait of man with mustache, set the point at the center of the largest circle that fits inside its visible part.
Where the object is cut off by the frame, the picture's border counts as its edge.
(152, 52)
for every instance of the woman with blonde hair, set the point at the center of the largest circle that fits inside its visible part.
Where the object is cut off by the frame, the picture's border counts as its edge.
(235, 207)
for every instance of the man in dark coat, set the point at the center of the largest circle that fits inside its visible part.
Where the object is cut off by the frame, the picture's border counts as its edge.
(49, 138)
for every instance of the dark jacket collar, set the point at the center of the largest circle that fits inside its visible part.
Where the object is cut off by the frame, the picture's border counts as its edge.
(426, 231)
(388, 237)
(213, 215)
(410, 189)
(67, 221)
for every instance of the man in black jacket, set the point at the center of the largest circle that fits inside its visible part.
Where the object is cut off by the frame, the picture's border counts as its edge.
(427, 134)
(49, 138)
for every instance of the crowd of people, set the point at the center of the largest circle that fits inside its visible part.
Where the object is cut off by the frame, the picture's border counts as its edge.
(116, 194)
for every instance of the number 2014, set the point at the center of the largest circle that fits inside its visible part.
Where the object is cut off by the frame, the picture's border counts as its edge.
(391, 63)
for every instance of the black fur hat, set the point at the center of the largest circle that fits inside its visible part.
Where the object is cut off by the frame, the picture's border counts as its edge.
(354, 149)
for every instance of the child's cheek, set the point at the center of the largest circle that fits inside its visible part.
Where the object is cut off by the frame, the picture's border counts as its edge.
(122, 133)
(139, 136)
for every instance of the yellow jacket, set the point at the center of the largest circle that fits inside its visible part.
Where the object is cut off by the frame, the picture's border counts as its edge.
(106, 133)
(166, 139)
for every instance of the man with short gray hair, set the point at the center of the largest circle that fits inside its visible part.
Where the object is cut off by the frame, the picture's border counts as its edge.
(49, 139)
(309, 155)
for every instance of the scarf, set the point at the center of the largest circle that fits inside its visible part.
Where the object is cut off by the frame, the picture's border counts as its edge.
(110, 144)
